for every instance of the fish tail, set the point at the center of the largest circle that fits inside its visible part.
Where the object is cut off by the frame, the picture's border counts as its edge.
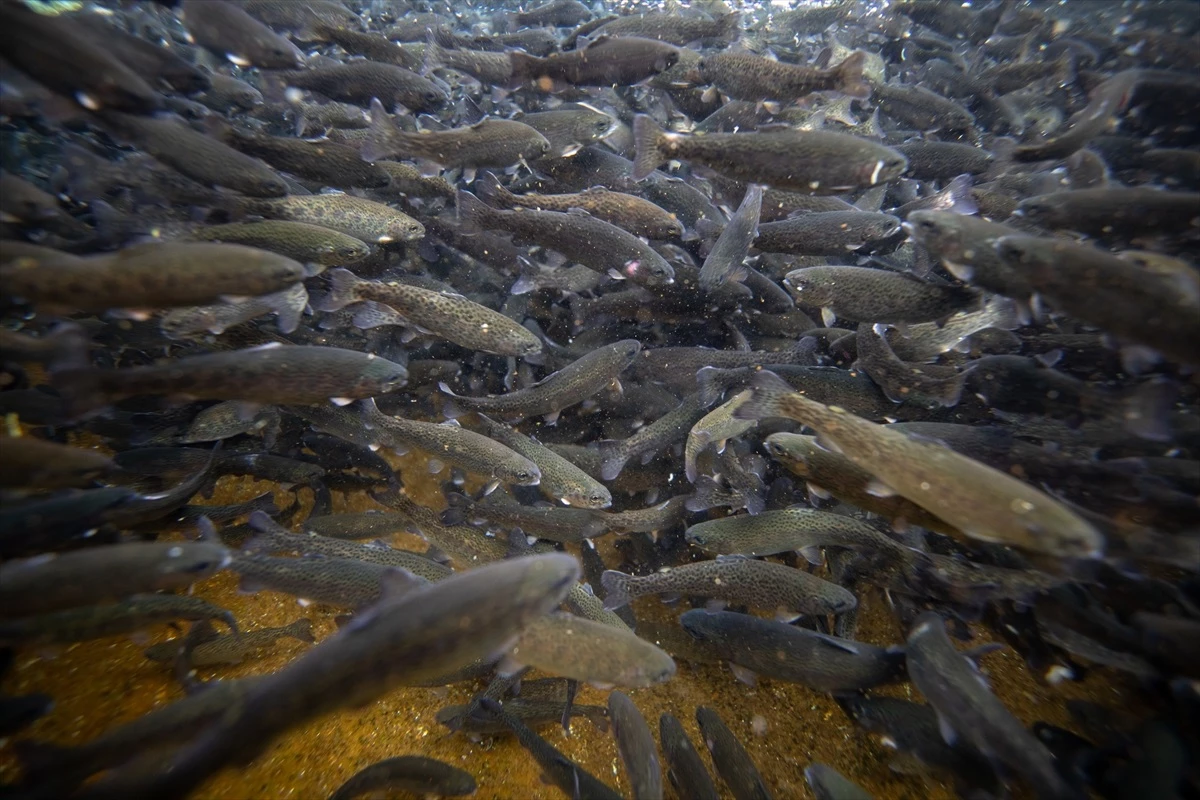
(959, 193)
(342, 283)
(769, 388)
(612, 459)
(82, 390)
(616, 589)
(709, 386)
(850, 75)
(647, 137)
(731, 26)
(301, 629)
(434, 58)
(470, 210)
(288, 306)
(458, 505)
(708, 493)
(492, 192)
(383, 140)
(524, 67)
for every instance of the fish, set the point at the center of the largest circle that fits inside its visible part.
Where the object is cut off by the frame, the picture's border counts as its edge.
(674, 29)
(865, 294)
(112, 619)
(599, 654)
(233, 649)
(451, 316)
(829, 784)
(489, 143)
(572, 384)
(737, 580)
(745, 76)
(685, 769)
(1108, 99)
(327, 163)
(366, 220)
(550, 522)
(300, 241)
(32, 463)
(829, 233)
(226, 94)
(724, 261)
(778, 651)
(938, 161)
(1018, 515)
(360, 82)
(407, 773)
(812, 162)
(576, 234)
(730, 758)
(392, 643)
(967, 708)
(663, 432)
(91, 576)
(603, 61)
(1114, 212)
(639, 753)
(229, 32)
(560, 480)
(279, 374)
(779, 531)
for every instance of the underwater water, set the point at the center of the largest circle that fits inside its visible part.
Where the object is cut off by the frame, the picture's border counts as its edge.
(599, 399)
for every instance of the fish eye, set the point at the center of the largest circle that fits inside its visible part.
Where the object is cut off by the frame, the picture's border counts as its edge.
(431, 97)
(926, 225)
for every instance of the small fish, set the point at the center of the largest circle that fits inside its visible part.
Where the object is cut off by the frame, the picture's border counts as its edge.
(864, 294)
(450, 316)
(685, 768)
(938, 161)
(662, 433)
(583, 650)
(552, 523)
(570, 127)
(813, 162)
(716, 427)
(745, 76)
(730, 758)
(778, 651)
(604, 61)
(736, 580)
(228, 31)
(639, 753)
(676, 29)
(360, 82)
(829, 784)
(415, 774)
(268, 375)
(802, 529)
(491, 142)
(96, 622)
(341, 582)
(110, 572)
(288, 306)
(1108, 99)
(572, 384)
(829, 233)
(1108, 212)
(372, 222)
(560, 479)
(327, 163)
(32, 463)
(233, 649)
(304, 242)
(725, 261)
(980, 501)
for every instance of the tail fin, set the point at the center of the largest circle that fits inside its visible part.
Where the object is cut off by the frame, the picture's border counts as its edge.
(288, 306)
(612, 459)
(383, 139)
(710, 385)
(301, 629)
(616, 589)
(524, 68)
(82, 390)
(471, 211)
(958, 197)
(647, 136)
(492, 192)
(433, 56)
(850, 75)
(342, 283)
(731, 26)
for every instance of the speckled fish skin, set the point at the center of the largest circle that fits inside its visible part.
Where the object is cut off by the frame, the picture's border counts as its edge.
(831, 472)
(742, 581)
(828, 233)
(813, 162)
(328, 163)
(570, 127)
(633, 214)
(407, 774)
(1108, 99)
(783, 652)
(356, 525)
(453, 444)
(199, 157)
(283, 374)
(296, 240)
(639, 752)
(605, 61)
(1108, 292)
(552, 523)
(780, 531)
(450, 316)
(966, 247)
(30, 462)
(663, 432)
(715, 427)
(486, 67)
(372, 222)
(725, 261)
(95, 622)
(359, 82)
(572, 384)
(863, 294)
(746, 76)
(572, 647)
(233, 649)
(685, 768)
(490, 143)
(340, 582)
(982, 502)
(579, 236)
(938, 161)
(98, 574)
(271, 538)
(152, 275)
(672, 28)
(463, 543)
(927, 385)
(966, 706)
(923, 109)
(730, 758)
(406, 638)
(289, 305)
(561, 480)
